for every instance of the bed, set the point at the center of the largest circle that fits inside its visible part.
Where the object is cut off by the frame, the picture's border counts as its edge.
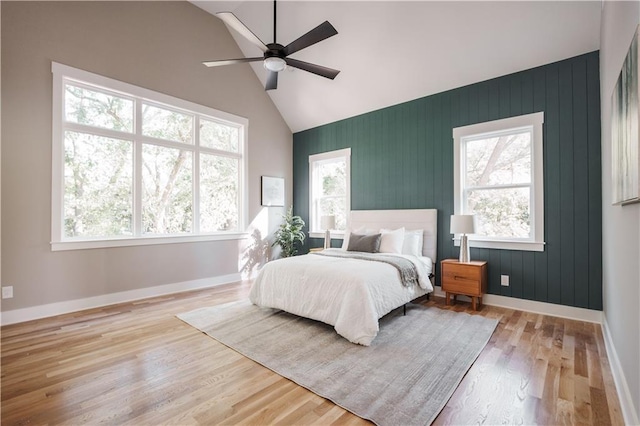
(351, 294)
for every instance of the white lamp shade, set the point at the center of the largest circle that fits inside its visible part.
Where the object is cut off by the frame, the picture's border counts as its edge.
(462, 224)
(328, 222)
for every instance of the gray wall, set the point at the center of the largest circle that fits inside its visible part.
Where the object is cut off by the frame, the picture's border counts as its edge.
(621, 225)
(156, 45)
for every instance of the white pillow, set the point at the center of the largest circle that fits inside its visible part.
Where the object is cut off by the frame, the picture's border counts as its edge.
(413, 241)
(361, 231)
(391, 241)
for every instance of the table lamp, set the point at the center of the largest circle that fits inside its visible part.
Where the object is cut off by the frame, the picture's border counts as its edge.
(463, 224)
(327, 223)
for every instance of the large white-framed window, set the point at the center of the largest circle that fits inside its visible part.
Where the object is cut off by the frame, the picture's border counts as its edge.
(132, 166)
(498, 177)
(329, 190)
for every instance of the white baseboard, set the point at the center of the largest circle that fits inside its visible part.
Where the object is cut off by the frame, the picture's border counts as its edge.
(58, 308)
(536, 307)
(631, 417)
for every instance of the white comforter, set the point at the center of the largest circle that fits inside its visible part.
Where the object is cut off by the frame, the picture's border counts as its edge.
(350, 294)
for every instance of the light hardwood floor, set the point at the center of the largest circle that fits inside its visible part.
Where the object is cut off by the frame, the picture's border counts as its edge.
(136, 363)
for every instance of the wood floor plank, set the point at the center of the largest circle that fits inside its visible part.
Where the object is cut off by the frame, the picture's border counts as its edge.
(136, 363)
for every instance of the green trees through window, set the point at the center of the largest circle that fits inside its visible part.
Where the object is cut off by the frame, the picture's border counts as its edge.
(329, 188)
(134, 168)
(498, 178)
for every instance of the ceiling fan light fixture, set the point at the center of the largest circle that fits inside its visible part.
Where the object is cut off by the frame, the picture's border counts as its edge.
(275, 64)
(275, 56)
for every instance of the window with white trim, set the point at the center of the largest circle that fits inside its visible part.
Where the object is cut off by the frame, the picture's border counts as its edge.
(329, 189)
(132, 166)
(498, 177)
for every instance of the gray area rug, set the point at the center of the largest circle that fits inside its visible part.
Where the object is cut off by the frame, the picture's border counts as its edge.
(405, 377)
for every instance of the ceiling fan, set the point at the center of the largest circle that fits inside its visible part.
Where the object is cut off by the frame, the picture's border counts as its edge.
(276, 56)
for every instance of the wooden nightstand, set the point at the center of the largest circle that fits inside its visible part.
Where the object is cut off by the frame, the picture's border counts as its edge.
(469, 279)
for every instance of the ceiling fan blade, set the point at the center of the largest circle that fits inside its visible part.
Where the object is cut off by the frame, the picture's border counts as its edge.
(232, 20)
(319, 33)
(231, 61)
(312, 68)
(272, 81)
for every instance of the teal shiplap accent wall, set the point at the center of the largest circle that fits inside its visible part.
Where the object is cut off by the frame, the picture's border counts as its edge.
(402, 158)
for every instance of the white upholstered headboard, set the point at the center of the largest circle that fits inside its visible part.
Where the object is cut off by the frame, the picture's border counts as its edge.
(426, 219)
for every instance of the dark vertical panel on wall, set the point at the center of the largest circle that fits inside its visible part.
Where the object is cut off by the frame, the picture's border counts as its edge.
(526, 93)
(443, 250)
(473, 105)
(361, 142)
(567, 218)
(552, 186)
(355, 137)
(385, 168)
(580, 185)
(427, 153)
(402, 157)
(495, 270)
(528, 275)
(403, 173)
(505, 101)
(595, 186)
(494, 100)
(483, 101)
(515, 281)
(515, 90)
(411, 133)
(447, 178)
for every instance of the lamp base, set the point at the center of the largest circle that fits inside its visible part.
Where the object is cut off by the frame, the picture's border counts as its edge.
(327, 239)
(465, 255)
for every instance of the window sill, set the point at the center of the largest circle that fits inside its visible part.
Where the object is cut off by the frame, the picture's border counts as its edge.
(127, 242)
(504, 245)
(335, 235)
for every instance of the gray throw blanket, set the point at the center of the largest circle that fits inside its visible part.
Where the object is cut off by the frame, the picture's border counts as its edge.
(407, 269)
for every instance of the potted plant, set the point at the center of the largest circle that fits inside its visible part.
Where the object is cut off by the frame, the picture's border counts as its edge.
(289, 233)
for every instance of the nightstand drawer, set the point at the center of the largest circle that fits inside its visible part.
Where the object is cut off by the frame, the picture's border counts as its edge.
(460, 271)
(461, 285)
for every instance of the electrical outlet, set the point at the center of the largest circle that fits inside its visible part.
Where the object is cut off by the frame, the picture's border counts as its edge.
(7, 292)
(504, 280)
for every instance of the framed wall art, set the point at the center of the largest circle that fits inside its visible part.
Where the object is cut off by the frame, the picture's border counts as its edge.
(272, 191)
(625, 152)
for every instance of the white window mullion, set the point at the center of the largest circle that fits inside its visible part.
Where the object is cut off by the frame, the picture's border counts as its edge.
(220, 153)
(507, 186)
(240, 198)
(83, 85)
(316, 198)
(165, 143)
(243, 146)
(137, 173)
(99, 131)
(196, 176)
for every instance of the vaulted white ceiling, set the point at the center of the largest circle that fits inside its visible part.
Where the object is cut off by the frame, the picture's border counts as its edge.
(392, 52)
